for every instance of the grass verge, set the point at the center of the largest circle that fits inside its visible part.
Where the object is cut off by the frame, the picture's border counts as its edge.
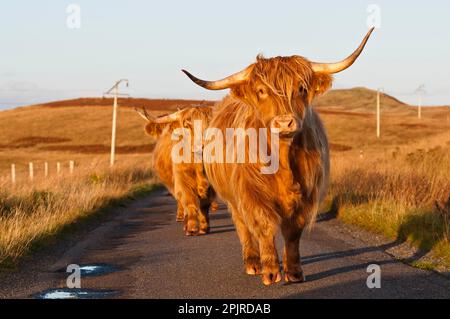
(35, 214)
(395, 194)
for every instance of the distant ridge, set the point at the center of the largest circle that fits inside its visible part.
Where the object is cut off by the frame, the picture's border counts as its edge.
(360, 100)
(150, 104)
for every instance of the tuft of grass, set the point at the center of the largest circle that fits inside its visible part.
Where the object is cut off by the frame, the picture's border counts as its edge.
(423, 265)
(32, 214)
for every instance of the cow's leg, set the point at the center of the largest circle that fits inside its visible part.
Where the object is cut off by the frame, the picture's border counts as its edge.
(180, 212)
(250, 249)
(214, 206)
(203, 217)
(186, 192)
(264, 227)
(202, 182)
(191, 220)
(177, 196)
(292, 233)
(269, 257)
(190, 203)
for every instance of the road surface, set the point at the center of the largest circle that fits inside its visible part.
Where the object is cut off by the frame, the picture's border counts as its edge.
(151, 258)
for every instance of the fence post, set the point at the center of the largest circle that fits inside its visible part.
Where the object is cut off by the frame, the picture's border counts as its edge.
(71, 166)
(46, 169)
(30, 166)
(58, 168)
(13, 173)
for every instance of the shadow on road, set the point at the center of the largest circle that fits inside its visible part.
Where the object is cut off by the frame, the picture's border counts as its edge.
(223, 226)
(344, 254)
(222, 231)
(400, 286)
(217, 216)
(347, 253)
(346, 269)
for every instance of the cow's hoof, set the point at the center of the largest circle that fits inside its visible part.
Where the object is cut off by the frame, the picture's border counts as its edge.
(252, 269)
(202, 192)
(214, 206)
(191, 227)
(203, 231)
(271, 278)
(294, 277)
(191, 232)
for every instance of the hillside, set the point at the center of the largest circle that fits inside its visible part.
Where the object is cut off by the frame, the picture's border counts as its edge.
(360, 100)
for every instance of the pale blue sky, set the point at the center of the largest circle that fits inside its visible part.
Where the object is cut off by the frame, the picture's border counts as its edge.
(148, 42)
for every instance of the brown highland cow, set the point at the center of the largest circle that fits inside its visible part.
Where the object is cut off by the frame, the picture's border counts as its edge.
(185, 181)
(275, 93)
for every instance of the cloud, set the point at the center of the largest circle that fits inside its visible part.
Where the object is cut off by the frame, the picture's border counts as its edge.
(19, 86)
(7, 74)
(22, 93)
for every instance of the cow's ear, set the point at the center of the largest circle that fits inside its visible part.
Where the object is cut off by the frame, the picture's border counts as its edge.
(237, 92)
(174, 125)
(154, 129)
(320, 83)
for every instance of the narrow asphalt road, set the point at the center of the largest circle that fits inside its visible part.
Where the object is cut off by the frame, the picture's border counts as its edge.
(151, 258)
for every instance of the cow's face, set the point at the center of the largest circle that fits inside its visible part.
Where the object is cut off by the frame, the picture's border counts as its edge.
(186, 119)
(189, 118)
(155, 130)
(281, 89)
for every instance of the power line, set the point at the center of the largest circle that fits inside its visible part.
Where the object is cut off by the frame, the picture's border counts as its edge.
(379, 112)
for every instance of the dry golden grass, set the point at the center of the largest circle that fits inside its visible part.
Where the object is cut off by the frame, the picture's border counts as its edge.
(31, 212)
(394, 193)
(392, 190)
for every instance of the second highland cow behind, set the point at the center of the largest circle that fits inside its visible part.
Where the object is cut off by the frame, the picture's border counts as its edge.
(185, 181)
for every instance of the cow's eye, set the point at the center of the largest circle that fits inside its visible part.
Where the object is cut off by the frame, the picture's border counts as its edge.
(187, 124)
(302, 91)
(262, 93)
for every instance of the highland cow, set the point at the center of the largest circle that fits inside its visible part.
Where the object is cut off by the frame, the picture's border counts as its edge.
(185, 181)
(275, 93)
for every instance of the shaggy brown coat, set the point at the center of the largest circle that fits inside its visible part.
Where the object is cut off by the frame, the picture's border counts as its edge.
(185, 181)
(289, 199)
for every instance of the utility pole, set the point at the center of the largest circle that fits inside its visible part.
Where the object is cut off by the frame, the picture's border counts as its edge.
(419, 112)
(13, 173)
(379, 113)
(114, 91)
(420, 90)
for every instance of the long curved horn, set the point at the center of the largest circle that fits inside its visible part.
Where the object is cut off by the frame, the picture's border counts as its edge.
(169, 118)
(225, 83)
(344, 64)
(143, 113)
